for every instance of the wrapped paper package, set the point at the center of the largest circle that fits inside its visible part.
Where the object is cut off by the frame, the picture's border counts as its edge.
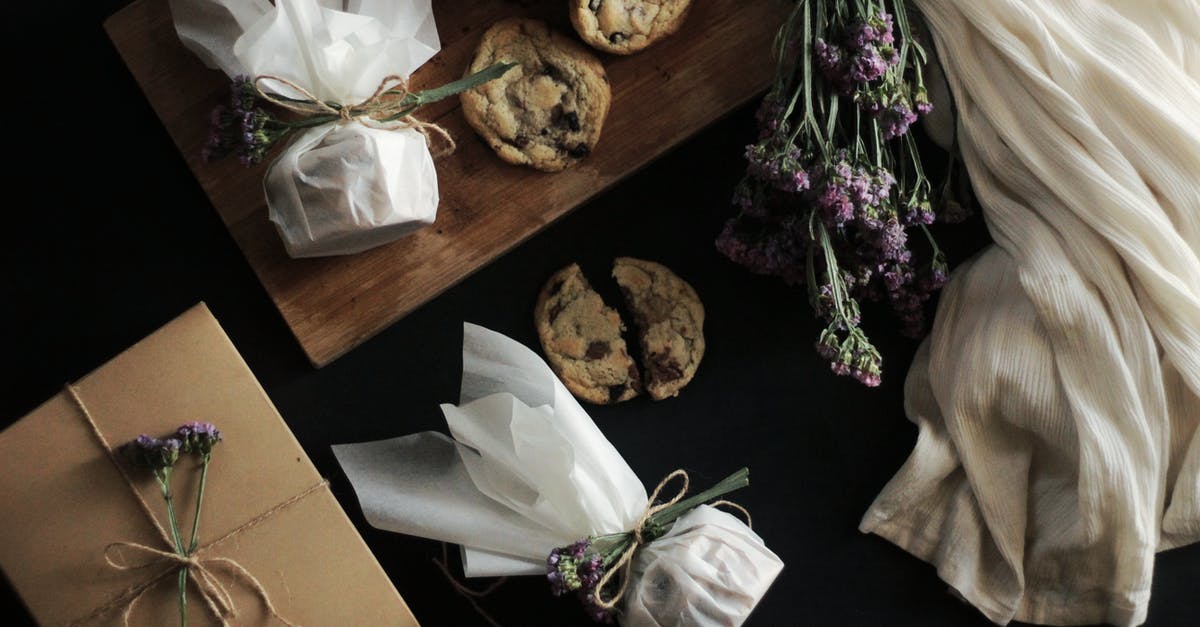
(527, 471)
(346, 186)
(63, 501)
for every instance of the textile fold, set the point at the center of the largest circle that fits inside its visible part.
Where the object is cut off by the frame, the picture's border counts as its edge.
(1058, 394)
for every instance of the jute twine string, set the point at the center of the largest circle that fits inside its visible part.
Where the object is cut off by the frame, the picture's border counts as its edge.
(734, 506)
(213, 592)
(471, 595)
(624, 564)
(372, 112)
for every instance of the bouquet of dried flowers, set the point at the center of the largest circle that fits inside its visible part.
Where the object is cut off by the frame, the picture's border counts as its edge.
(835, 187)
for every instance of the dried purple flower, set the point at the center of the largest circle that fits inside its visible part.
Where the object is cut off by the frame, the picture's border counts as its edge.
(921, 101)
(198, 437)
(242, 94)
(828, 344)
(152, 453)
(919, 212)
(896, 119)
(820, 204)
(831, 61)
(869, 64)
(578, 568)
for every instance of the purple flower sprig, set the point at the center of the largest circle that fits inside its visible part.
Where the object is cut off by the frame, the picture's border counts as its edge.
(835, 190)
(244, 126)
(580, 567)
(160, 456)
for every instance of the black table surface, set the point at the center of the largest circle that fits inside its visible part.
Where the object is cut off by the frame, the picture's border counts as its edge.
(108, 237)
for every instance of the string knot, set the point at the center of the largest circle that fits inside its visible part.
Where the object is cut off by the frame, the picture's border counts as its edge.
(624, 564)
(388, 108)
(132, 556)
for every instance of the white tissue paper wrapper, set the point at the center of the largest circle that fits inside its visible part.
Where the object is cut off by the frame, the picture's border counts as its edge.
(343, 187)
(709, 569)
(528, 471)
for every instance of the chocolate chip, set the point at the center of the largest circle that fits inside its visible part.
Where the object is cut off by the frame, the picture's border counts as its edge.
(594, 5)
(664, 369)
(556, 288)
(556, 114)
(520, 141)
(617, 38)
(597, 350)
(579, 151)
(555, 310)
(615, 392)
(572, 120)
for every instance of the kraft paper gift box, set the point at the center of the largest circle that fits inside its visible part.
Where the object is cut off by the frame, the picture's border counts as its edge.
(63, 501)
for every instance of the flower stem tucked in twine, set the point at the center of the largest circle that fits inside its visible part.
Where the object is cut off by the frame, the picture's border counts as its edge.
(215, 594)
(624, 564)
(377, 111)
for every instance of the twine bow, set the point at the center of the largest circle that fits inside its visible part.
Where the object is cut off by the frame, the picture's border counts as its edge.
(215, 594)
(377, 111)
(624, 564)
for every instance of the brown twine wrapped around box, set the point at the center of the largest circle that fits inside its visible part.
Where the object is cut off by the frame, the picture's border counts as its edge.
(215, 594)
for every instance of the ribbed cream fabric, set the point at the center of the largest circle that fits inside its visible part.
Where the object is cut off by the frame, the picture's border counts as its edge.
(1058, 395)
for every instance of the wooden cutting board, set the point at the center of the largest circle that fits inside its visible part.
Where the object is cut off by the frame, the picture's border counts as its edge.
(718, 60)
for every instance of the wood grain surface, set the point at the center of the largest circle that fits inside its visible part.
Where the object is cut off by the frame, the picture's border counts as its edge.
(718, 60)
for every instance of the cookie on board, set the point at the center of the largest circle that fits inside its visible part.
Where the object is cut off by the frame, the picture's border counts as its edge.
(626, 26)
(548, 111)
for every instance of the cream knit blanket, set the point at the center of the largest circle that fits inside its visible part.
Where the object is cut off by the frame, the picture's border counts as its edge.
(1058, 395)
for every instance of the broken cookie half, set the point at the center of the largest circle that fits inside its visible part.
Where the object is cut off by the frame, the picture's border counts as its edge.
(670, 321)
(582, 339)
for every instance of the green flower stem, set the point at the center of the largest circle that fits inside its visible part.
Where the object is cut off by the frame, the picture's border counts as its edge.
(937, 251)
(316, 120)
(428, 96)
(878, 142)
(667, 515)
(658, 523)
(199, 502)
(809, 266)
(614, 552)
(832, 274)
(164, 482)
(183, 576)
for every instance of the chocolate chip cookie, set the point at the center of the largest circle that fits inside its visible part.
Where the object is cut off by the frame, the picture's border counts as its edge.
(546, 112)
(626, 26)
(670, 322)
(582, 340)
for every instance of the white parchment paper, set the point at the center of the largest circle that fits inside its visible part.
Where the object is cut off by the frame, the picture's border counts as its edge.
(343, 187)
(527, 471)
(709, 569)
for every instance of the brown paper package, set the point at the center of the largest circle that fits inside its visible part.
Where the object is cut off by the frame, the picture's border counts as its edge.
(62, 501)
